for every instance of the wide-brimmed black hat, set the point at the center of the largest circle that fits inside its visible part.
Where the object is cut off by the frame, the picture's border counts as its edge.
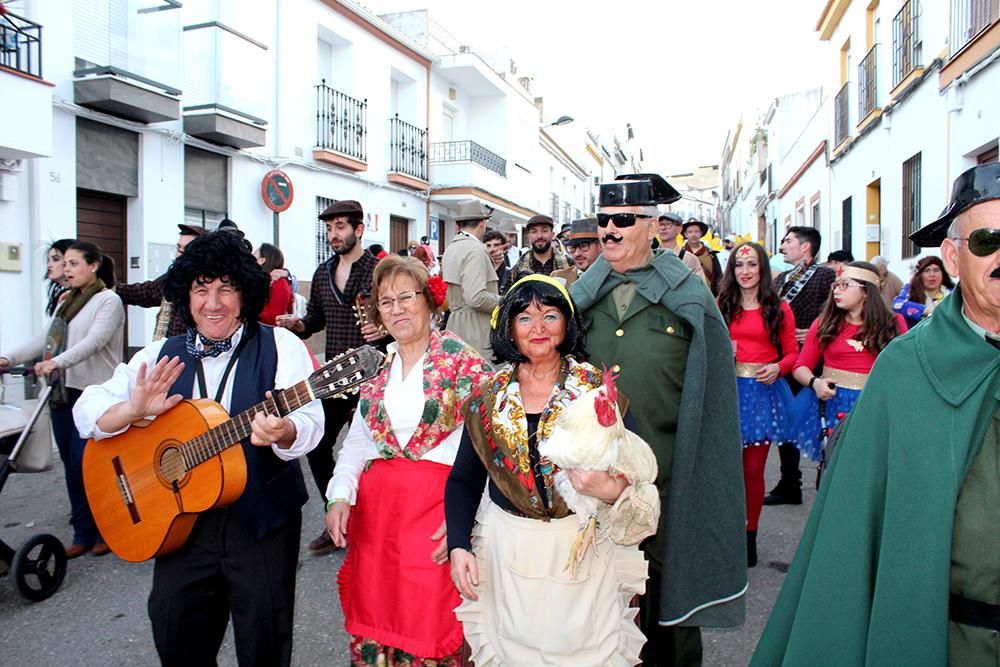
(701, 225)
(343, 207)
(974, 186)
(637, 190)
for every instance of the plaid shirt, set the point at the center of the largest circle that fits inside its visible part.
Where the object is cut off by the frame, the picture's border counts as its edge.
(810, 300)
(334, 310)
(528, 265)
(150, 295)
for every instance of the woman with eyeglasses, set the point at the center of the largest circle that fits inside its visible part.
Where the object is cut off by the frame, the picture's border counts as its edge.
(929, 285)
(762, 327)
(850, 332)
(387, 491)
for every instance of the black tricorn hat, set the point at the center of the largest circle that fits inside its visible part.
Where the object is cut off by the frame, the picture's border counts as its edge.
(638, 190)
(974, 186)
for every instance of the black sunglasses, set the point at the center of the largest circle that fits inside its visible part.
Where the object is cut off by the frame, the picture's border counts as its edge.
(620, 219)
(983, 242)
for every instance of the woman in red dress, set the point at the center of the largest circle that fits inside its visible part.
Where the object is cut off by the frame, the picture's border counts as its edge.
(272, 260)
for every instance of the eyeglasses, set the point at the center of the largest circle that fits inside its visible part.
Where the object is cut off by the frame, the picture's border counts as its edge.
(982, 242)
(843, 285)
(620, 219)
(405, 300)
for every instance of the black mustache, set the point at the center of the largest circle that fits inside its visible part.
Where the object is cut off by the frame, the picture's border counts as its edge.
(618, 239)
(996, 273)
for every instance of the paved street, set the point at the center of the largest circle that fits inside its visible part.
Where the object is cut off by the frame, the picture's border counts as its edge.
(98, 617)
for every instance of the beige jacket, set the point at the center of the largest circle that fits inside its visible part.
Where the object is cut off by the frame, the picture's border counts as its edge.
(472, 290)
(690, 261)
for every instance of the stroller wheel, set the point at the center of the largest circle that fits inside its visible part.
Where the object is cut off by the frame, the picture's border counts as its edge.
(39, 567)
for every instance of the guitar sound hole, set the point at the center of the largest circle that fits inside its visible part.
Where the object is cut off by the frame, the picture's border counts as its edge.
(172, 465)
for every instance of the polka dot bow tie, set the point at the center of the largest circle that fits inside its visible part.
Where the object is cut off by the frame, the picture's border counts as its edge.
(209, 347)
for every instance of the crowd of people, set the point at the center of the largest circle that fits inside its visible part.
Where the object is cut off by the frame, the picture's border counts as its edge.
(562, 450)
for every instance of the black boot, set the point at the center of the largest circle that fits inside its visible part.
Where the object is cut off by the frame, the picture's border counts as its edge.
(788, 491)
(751, 548)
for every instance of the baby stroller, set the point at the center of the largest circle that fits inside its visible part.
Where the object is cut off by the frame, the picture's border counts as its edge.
(38, 566)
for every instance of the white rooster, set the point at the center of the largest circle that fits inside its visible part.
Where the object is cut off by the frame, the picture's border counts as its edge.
(590, 434)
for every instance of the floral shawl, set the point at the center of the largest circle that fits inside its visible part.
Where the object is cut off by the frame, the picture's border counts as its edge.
(451, 369)
(500, 433)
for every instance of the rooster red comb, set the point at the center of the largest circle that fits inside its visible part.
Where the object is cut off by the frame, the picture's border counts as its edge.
(604, 402)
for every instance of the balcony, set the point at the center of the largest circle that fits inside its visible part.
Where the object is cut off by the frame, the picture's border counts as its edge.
(841, 113)
(867, 88)
(969, 18)
(21, 45)
(407, 154)
(468, 151)
(341, 129)
(27, 128)
(127, 61)
(906, 51)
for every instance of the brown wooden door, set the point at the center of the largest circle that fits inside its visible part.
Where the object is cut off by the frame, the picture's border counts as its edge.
(101, 219)
(398, 233)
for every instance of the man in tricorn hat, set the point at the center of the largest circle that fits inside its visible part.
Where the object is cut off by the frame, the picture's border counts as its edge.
(337, 285)
(899, 562)
(466, 267)
(543, 257)
(653, 322)
(584, 248)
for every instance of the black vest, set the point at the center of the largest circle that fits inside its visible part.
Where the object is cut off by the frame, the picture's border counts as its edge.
(275, 490)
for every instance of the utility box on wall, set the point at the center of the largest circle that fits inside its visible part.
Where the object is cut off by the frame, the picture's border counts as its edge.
(10, 257)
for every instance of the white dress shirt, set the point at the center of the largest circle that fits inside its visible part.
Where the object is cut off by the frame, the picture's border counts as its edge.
(294, 365)
(404, 405)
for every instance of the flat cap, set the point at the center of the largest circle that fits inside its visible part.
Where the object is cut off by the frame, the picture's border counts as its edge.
(191, 230)
(539, 220)
(342, 207)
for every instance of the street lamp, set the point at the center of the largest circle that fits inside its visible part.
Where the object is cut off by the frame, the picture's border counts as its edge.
(561, 120)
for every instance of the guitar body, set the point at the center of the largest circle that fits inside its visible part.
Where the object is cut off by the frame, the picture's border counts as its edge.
(143, 499)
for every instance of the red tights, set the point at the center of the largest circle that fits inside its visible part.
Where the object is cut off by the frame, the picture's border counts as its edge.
(754, 460)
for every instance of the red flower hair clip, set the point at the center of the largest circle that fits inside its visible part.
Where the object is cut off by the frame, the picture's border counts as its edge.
(438, 289)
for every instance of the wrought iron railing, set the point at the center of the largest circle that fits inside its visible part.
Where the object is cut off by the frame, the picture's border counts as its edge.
(867, 88)
(554, 206)
(841, 111)
(468, 151)
(905, 42)
(341, 122)
(969, 18)
(21, 44)
(407, 148)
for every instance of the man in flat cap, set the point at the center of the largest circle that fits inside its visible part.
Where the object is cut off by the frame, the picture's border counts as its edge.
(473, 290)
(692, 231)
(656, 325)
(668, 227)
(899, 563)
(543, 257)
(149, 294)
(337, 284)
(584, 248)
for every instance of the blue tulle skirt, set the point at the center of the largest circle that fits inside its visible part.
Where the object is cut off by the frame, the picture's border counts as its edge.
(805, 417)
(764, 411)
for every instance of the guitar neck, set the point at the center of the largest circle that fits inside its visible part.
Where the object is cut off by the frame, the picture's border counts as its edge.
(229, 433)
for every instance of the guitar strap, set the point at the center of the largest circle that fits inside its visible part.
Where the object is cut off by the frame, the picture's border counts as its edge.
(200, 372)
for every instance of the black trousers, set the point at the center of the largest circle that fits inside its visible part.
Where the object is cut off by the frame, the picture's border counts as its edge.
(666, 645)
(337, 411)
(221, 573)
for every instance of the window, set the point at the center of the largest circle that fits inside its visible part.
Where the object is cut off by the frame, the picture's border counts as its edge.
(911, 204)
(814, 211)
(987, 156)
(800, 213)
(323, 251)
(845, 224)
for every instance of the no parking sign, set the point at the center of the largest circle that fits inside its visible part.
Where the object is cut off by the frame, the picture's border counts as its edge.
(277, 191)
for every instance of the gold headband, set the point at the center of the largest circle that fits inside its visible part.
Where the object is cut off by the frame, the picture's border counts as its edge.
(857, 273)
(539, 277)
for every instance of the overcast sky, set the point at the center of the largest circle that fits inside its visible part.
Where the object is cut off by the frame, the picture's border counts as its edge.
(680, 72)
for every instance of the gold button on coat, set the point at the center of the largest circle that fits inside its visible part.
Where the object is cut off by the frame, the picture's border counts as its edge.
(670, 330)
(616, 368)
(620, 333)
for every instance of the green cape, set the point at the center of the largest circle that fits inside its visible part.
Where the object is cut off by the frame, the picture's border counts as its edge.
(870, 581)
(704, 564)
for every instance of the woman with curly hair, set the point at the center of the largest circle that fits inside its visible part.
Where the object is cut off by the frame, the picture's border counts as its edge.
(762, 327)
(930, 284)
(850, 332)
(387, 491)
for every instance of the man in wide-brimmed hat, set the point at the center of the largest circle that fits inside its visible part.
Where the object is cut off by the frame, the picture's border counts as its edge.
(472, 282)
(668, 228)
(584, 248)
(509, 229)
(543, 257)
(693, 230)
(898, 563)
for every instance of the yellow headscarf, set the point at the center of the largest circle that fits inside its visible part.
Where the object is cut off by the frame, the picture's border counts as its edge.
(539, 277)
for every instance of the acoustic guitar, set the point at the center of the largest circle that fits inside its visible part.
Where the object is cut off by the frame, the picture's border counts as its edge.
(146, 486)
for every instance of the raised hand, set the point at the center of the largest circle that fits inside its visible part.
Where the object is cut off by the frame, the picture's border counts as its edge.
(149, 398)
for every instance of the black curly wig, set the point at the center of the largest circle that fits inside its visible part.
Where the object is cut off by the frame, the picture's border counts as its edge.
(218, 255)
(515, 302)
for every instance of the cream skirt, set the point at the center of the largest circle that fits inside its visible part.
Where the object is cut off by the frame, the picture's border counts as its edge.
(530, 612)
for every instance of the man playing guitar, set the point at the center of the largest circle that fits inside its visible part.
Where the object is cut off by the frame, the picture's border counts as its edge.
(240, 560)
